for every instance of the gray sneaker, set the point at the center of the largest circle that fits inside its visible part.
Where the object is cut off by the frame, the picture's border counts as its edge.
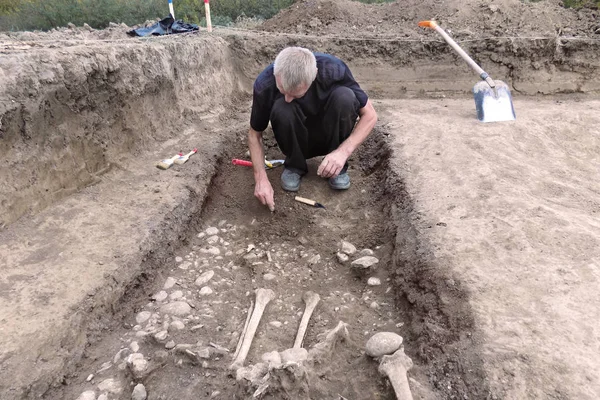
(340, 182)
(290, 180)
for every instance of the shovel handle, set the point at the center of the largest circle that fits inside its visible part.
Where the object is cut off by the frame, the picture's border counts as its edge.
(433, 25)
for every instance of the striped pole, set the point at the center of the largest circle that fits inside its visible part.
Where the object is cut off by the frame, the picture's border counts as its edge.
(207, 10)
(171, 9)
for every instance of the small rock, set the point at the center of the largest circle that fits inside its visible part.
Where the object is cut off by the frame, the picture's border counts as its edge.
(87, 27)
(383, 343)
(204, 278)
(294, 355)
(103, 397)
(137, 363)
(374, 305)
(196, 327)
(212, 239)
(142, 317)
(373, 281)
(178, 259)
(185, 265)
(169, 283)
(176, 295)
(121, 354)
(214, 394)
(161, 336)
(160, 296)
(90, 377)
(303, 241)
(268, 277)
(212, 231)
(176, 326)
(347, 247)
(87, 395)
(314, 259)
(134, 346)
(366, 252)
(169, 345)
(365, 262)
(111, 386)
(201, 235)
(205, 291)
(179, 308)
(342, 258)
(139, 392)
(211, 250)
(275, 324)
(221, 223)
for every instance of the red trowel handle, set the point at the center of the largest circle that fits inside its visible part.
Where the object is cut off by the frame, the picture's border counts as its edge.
(243, 163)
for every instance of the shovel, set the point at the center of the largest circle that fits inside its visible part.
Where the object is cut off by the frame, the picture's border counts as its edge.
(492, 98)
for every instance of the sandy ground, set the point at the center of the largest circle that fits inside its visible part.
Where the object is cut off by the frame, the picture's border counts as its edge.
(509, 212)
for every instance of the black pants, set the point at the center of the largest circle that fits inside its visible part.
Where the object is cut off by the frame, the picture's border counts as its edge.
(300, 137)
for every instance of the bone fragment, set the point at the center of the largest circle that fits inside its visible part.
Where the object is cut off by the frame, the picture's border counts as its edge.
(263, 297)
(396, 367)
(311, 300)
(241, 339)
(327, 341)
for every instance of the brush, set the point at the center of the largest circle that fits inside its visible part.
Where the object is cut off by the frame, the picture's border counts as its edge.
(183, 159)
(166, 163)
(309, 202)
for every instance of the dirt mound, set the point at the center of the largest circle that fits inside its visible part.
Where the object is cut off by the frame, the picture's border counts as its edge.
(464, 18)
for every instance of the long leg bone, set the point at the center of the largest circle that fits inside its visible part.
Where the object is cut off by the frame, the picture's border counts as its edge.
(241, 339)
(396, 367)
(263, 297)
(311, 299)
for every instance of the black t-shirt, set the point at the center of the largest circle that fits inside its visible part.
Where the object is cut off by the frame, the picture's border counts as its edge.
(332, 72)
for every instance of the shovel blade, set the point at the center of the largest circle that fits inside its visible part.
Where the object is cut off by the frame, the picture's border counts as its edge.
(493, 105)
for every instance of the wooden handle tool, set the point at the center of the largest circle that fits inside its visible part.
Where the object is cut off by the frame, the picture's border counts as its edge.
(309, 202)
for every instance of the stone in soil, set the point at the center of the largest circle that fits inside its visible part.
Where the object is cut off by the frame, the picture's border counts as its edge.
(205, 291)
(342, 258)
(178, 308)
(160, 296)
(88, 395)
(383, 343)
(268, 277)
(347, 247)
(111, 386)
(212, 231)
(373, 281)
(142, 317)
(204, 278)
(139, 392)
(169, 283)
(365, 262)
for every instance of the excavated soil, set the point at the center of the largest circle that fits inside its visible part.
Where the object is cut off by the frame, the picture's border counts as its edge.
(95, 240)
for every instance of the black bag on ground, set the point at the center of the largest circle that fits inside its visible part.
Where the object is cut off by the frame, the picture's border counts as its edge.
(165, 26)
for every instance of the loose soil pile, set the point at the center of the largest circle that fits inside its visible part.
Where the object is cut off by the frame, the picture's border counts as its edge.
(465, 19)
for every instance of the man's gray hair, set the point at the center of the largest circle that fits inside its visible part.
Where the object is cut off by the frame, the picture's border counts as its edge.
(295, 67)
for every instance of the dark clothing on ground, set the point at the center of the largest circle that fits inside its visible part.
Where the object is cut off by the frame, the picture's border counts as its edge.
(315, 124)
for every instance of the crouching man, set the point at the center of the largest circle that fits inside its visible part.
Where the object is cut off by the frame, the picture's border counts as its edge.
(313, 103)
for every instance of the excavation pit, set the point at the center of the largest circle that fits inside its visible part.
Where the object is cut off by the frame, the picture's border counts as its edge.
(484, 233)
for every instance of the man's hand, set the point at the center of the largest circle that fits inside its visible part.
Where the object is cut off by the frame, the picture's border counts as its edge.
(264, 193)
(332, 164)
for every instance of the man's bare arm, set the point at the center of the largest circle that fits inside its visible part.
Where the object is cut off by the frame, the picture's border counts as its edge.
(263, 189)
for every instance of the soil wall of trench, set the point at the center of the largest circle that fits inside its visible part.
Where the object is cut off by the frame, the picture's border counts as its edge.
(69, 114)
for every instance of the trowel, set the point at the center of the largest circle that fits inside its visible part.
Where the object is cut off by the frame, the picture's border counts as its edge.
(492, 98)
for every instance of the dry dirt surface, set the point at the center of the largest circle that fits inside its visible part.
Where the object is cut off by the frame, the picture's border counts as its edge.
(120, 280)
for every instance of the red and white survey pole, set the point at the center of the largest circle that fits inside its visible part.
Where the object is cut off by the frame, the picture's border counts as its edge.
(171, 10)
(207, 10)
